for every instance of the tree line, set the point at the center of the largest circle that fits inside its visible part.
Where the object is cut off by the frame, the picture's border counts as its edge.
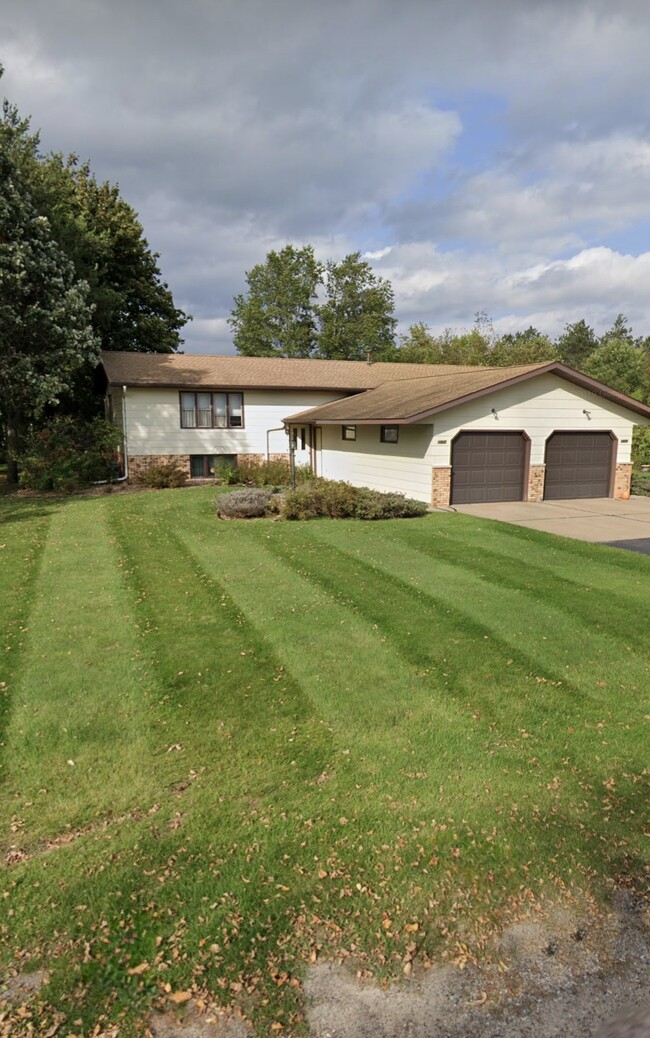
(296, 306)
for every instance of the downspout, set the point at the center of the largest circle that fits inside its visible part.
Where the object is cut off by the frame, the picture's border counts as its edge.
(278, 428)
(120, 479)
(124, 437)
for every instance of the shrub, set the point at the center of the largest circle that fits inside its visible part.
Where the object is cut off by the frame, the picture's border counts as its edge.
(66, 455)
(641, 446)
(160, 475)
(225, 472)
(338, 500)
(374, 505)
(275, 473)
(251, 503)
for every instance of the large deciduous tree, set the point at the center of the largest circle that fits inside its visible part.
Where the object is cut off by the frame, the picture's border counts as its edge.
(356, 319)
(283, 315)
(276, 317)
(99, 232)
(46, 331)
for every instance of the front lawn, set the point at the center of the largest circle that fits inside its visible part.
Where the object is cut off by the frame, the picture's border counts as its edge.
(231, 748)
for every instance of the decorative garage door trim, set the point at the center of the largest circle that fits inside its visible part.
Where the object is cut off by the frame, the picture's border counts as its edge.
(580, 464)
(489, 466)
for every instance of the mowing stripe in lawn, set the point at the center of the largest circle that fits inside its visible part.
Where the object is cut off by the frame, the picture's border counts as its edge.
(544, 631)
(594, 565)
(509, 694)
(628, 601)
(358, 679)
(22, 537)
(441, 748)
(79, 725)
(225, 690)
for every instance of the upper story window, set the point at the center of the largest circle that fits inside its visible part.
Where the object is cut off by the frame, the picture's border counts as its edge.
(389, 433)
(212, 410)
(348, 432)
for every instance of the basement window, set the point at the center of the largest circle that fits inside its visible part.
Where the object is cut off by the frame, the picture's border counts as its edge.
(389, 433)
(348, 432)
(210, 466)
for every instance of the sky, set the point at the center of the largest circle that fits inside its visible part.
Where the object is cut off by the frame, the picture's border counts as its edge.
(483, 155)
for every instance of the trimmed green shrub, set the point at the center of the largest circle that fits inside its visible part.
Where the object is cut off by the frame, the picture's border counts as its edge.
(67, 455)
(251, 503)
(338, 500)
(160, 476)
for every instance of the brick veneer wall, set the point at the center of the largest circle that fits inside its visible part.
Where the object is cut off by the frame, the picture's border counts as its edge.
(623, 480)
(441, 486)
(536, 476)
(139, 462)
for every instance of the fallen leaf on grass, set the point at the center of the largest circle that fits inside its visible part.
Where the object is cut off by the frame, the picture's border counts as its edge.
(179, 997)
(135, 971)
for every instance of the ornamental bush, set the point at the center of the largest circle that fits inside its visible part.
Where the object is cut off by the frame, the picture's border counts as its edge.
(251, 503)
(66, 455)
(338, 500)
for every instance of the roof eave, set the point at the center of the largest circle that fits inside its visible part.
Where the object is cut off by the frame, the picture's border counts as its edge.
(552, 368)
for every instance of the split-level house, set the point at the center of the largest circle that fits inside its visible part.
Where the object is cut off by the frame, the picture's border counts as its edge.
(441, 434)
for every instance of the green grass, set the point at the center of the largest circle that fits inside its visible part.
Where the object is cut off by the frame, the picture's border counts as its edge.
(228, 748)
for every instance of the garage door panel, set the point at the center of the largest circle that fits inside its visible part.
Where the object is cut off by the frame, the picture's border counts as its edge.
(578, 465)
(487, 467)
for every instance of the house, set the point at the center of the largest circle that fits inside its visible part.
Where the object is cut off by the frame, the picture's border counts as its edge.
(441, 434)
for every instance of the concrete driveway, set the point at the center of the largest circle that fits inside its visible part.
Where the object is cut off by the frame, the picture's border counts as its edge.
(620, 524)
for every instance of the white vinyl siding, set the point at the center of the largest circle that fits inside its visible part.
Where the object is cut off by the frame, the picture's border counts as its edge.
(154, 421)
(367, 462)
(538, 408)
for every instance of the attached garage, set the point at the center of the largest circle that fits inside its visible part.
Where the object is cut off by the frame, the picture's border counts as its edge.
(579, 464)
(488, 466)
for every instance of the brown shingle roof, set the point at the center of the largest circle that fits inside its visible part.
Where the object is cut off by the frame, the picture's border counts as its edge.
(382, 392)
(410, 400)
(168, 369)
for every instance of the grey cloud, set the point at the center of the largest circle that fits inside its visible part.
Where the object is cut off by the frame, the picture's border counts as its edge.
(235, 126)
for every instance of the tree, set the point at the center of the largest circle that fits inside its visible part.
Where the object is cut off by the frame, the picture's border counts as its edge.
(99, 232)
(277, 318)
(46, 331)
(466, 349)
(620, 365)
(527, 347)
(102, 236)
(620, 331)
(419, 346)
(576, 344)
(356, 320)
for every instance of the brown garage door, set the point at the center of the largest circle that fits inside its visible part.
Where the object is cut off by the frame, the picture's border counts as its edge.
(487, 467)
(578, 464)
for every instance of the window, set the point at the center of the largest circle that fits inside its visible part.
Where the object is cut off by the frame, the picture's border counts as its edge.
(212, 411)
(348, 432)
(389, 433)
(207, 466)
